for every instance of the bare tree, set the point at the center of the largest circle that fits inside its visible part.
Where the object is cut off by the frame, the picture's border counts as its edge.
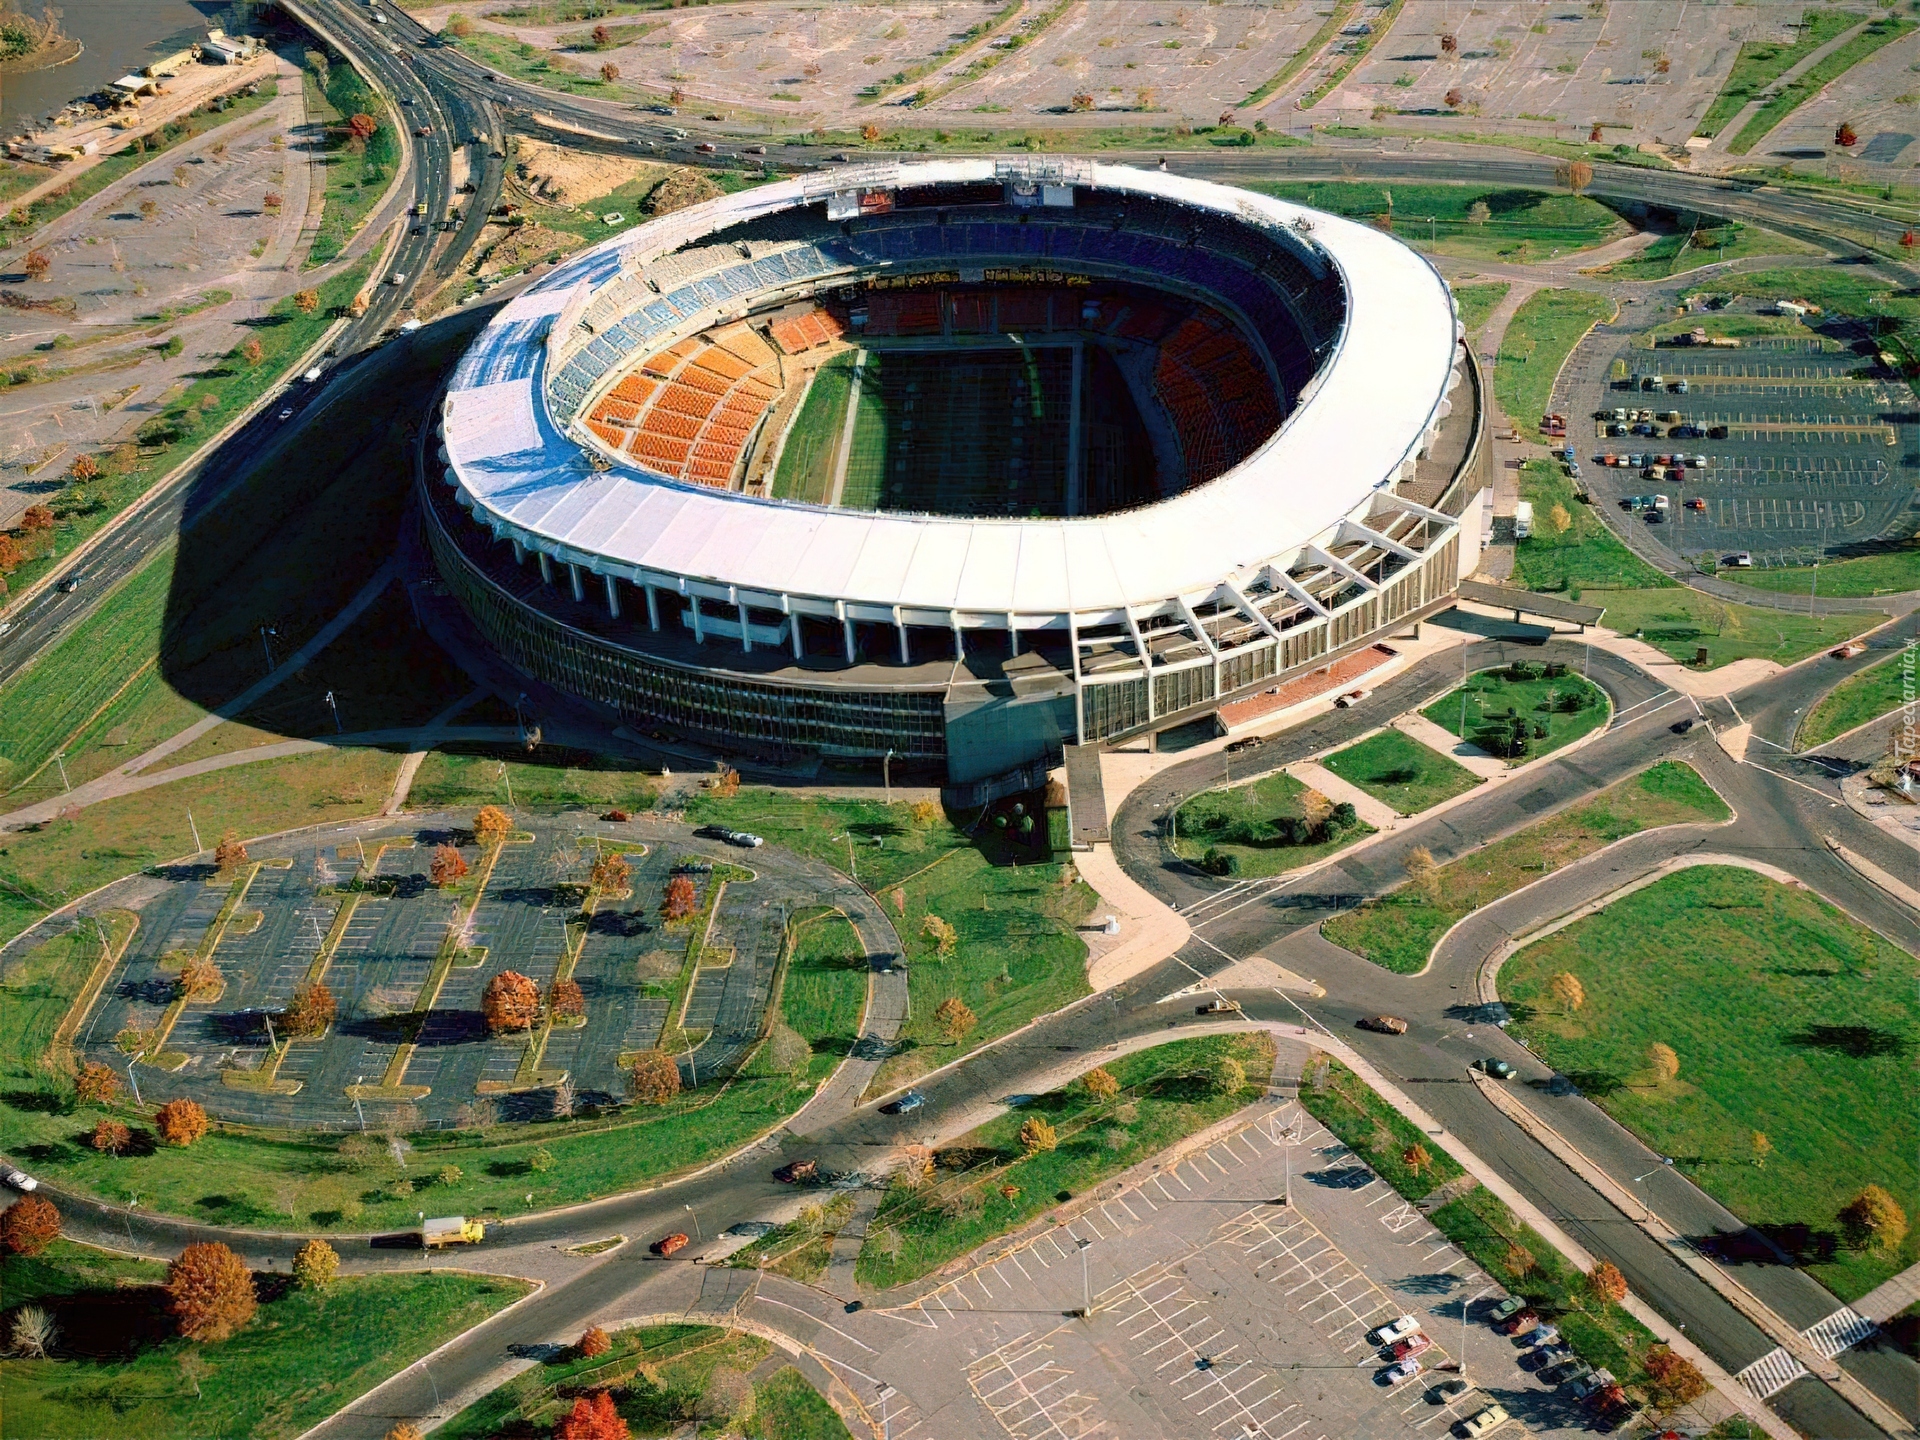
(33, 1331)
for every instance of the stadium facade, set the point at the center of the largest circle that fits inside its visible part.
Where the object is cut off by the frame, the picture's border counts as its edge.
(621, 517)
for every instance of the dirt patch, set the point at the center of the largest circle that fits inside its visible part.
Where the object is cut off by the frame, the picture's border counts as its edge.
(521, 245)
(659, 965)
(679, 190)
(572, 177)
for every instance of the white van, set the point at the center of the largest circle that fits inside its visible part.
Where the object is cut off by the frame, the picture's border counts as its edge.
(1523, 520)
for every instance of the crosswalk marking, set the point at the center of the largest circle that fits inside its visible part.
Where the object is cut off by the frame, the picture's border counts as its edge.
(1843, 1328)
(1771, 1373)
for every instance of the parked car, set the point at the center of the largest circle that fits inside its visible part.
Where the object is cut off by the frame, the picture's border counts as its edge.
(1394, 1330)
(1519, 1321)
(23, 1182)
(1506, 1309)
(1848, 650)
(797, 1172)
(1590, 1383)
(1696, 503)
(1401, 1371)
(1739, 560)
(906, 1104)
(1688, 725)
(1447, 1391)
(706, 147)
(1486, 1421)
(1414, 1344)
(1541, 1334)
(1351, 698)
(1498, 1069)
(1218, 1006)
(668, 1245)
(1240, 747)
(1383, 1024)
(752, 1229)
(1565, 1370)
(70, 584)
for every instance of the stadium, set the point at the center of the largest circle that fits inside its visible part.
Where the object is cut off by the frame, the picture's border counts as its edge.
(963, 462)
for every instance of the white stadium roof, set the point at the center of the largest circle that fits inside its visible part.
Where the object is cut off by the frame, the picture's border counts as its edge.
(1374, 406)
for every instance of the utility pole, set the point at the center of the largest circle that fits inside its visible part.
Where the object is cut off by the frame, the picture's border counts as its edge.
(886, 773)
(334, 706)
(1086, 1285)
(267, 632)
(197, 846)
(696, 1223)
(59, 758)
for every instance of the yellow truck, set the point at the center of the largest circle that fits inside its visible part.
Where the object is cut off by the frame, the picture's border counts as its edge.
(451, 1230)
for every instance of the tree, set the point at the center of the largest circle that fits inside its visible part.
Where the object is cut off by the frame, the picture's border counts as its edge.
(676, 96)
(945, 938)
(148, 209)
(1422, 873)
(1037, 1135)
(110, 1137)
(1873, 1219)
(510, 1002)
(1417, 1158)
(611, 874)
(492, 825)
(593, 1417)
(39, 264)
(406, 1429)
(1567, 989)
(680, 900)
(1478, 213)
(1664, 1063)
(97, 1084)
(1315, 808)
(916, 1166)
(602, 36)
(1672, 1380)
(230, 854)
(924, 813)
(1100, 1084)
(10, 553)
(1226, 1075)
(361, 128)
(656, 1078)
(1593, 135)
(459, 26)
(209, 1292)
(180, 1122)
(199, 978)
(955, 1019)
(1558, 520)
(306, 301)
(36, 518)
(609, 72)
(565, 1000)
(1082, 102)
(251, 350)
(870, 133)
(593, 1344)
(29, 1225)
(315, 1265)
(540, 1161)
(1606, 1284)
(83, 469)
(33, 1331)
(272, 200)
(1846, 137)
(1453, 98)
(448, 865)
(311, 1010)
(1762, 1149)
(1576, 175)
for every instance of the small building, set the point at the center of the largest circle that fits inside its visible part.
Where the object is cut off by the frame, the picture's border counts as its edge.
(224, 49)
(170, 66)
(135, 85)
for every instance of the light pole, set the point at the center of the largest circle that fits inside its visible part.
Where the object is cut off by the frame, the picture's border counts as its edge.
(886, 1393)
(334, 706)
(60, 759)
(267, 632)
(133, 1200)
(886, 773)
(1086, 1284)
(698, 1237)
(1645, 1204)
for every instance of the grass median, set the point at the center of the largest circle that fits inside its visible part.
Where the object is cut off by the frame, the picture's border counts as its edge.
(356, 173)
(116, 1366)
(1399, 771)
(1760, 62)
(1707, 244)
(1521, 712)
(1877, 691)
(1265, 827)
(1542, 333)
(985, 1184)
(1884, 30)
(1793, 1031)
(1478, 302)
(1888, 572)
(1398, 932)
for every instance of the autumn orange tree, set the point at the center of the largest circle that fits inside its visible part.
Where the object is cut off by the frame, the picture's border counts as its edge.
(209, 1292)
(1037, 1135)
(306, 301)
(230, 854)
(362, 128)
(180, 1122)
(1672, 1380)
(36, 518)
(610, 874)
(1100, 1084)
(110, 1137)
(565, 1000)
(199, 978)
(609, 72)
(593, 1417)
(1606, 1284)
(406, 1429)
(83, 469)
(38, 264)
(448, 865)
(492, 825)
(655, 1078)
(29, 1225)
(955, 1019)
(680, 899)
(97, 1084)
(594, 1343)
(510, 1002)
(251, 350)
(272, 200)
(311, 1010)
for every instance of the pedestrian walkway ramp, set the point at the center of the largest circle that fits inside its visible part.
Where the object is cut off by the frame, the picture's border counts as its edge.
(1086, 797)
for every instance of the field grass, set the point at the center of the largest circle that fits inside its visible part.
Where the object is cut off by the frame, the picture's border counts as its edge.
(1678, 621)
(1521, 225)
(1477, 302)
(1866, 696)
(1486, 699)
(1395, 768)
(357, 176)
(118, 1369)
(1690, 249)
(462, 773)
(1305, 55)
(1796, 92)
(1839, 290)
(1542, 333)
(788, 1408)
(825, 990)
(866, 468)
(1888, 573)
(1788, 1018)
(1603, 1335)
(1382, 23)
(1240, 822)
(1399, 931)
(1587, 553)
(807, 460)
(1761, 62)
(1164, 1097)
(1014, 912)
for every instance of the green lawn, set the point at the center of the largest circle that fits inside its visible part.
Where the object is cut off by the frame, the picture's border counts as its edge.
(1761, 62)
(1542, 333)
(357, 175)
(1603, 1335)
(1791, 96)
(119, 1370)
(1521, 225)
(1395, 768)
(1866, 696)
(788, 1408)
(1242, 822)
(1679, 621)
(806, 464)
(1888, 573)
(1477, 302)
(1164, 1096)
(1788, 1018)
(1710, 244)
(1017, 953)
(825, 990)
(1586, 553)
(464, 773)
(1399, 931)
(1479, 710)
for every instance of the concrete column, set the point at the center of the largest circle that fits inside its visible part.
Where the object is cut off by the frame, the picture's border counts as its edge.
(653, 607)
(699, 630)
(573, 581)
(846, 631)
(793, 633)
(519, 553)
(546, 568)
(1013, 636)
(746, 639)
(959, 646)
(613, 596)
(906, 657)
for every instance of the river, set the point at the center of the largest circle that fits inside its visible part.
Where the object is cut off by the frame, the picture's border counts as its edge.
(119, 36)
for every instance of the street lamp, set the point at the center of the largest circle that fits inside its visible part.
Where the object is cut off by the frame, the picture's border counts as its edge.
(885, 1393)
(1645, 1204)
(698, 1237)
(1086, 1285)
(886, 773)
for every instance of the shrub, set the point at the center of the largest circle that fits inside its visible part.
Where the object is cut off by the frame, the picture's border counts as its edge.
(510, 1002)
(655, 1077)
(593, 1344)
(209, 1292)
(110, 1137)
(180, 1122)
(29, 1226)
(97, 1084)
(1037, 1135)
(315, 1265)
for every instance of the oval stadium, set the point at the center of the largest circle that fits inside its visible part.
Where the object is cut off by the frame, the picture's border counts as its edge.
(963, 462)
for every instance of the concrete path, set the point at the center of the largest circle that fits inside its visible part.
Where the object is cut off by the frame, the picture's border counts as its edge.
(1719, 152)
(1314, 776)
(1888, 1299)
(1464, 753)
(429, 735)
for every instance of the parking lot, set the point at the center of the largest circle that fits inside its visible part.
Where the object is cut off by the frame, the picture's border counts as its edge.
(1795, 434)
(1218, 1308)
(364, 916)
